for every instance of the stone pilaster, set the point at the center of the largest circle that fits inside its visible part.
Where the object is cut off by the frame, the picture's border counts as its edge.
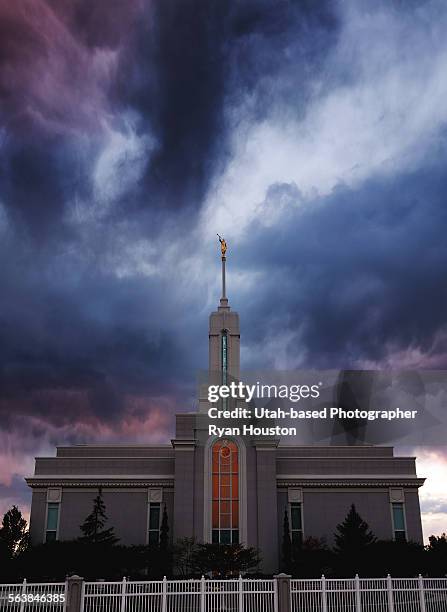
(267, 502)
(184, 488)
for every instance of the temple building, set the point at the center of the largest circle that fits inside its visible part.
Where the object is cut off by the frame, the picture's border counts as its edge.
(231, 489)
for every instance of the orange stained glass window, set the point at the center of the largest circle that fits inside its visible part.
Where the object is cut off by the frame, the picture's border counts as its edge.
(225, 488)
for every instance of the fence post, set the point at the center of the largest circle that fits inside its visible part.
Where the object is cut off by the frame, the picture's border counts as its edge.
(323, 594)
(275, 596)
(123, 595)
(241, 594)
(358, 603)
(22, 601)
(164, 602)
(75, 585)
(389, 583)
(202, 594)
(422, 594)
(283, 592)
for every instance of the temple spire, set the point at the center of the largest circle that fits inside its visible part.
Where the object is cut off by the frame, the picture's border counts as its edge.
(224, 338)
(223, 250)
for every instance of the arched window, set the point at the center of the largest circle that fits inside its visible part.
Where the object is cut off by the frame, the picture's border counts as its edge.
(225, 487)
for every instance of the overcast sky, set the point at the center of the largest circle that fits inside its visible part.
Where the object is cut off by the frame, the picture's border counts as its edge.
(312, 135)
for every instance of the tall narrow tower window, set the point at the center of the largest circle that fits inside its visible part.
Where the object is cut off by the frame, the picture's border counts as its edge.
(225, 500)
(224, 357)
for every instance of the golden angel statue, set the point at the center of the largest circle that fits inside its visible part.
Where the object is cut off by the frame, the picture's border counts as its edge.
(223, 245)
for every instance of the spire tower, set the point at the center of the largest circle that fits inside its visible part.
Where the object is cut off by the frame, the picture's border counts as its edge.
(223, 250)
(224, 335)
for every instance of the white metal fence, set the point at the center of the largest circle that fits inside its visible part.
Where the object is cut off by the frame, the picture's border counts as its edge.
(28, 596)
(369, 595)
(236, 595)
(181, 596)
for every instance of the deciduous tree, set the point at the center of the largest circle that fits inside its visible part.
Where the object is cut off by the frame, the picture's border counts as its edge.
(13, 533)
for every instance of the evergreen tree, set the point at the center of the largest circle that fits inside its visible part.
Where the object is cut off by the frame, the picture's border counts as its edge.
(286, 544)
(165, 553)
(353, 534)
(164, 531)
(13, 533)
(93, 526)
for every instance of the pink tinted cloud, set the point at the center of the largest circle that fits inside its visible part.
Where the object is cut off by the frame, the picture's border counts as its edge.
(49, 75)
(432, 464)
(433, 357)
(143, 420)
(12, 462)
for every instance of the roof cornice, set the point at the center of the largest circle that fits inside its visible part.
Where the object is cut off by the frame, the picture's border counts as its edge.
(342, 482)
(99, 481)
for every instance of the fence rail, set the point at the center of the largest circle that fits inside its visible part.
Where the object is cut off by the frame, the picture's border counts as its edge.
(369, 595)
(26, 596)
(181, 596)
(280, 594)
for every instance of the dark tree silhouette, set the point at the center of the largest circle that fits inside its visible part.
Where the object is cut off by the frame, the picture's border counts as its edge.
(184, 552)
(286, 544)
(313, 559)
(352, 539)
(354, 535)
(438, 543)
(164, 531)
(93, 526)
(399, 559)
(165, 556)
(13, 533)
(437, 555)
(225, 559)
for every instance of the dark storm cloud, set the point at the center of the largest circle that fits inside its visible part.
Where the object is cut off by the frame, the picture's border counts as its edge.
(106, 348)
(186, 102)
(195, 58)
(118, 119)
(70, 73)
(356, 275)
(34, 187)
(69, 68)
(103, 25)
